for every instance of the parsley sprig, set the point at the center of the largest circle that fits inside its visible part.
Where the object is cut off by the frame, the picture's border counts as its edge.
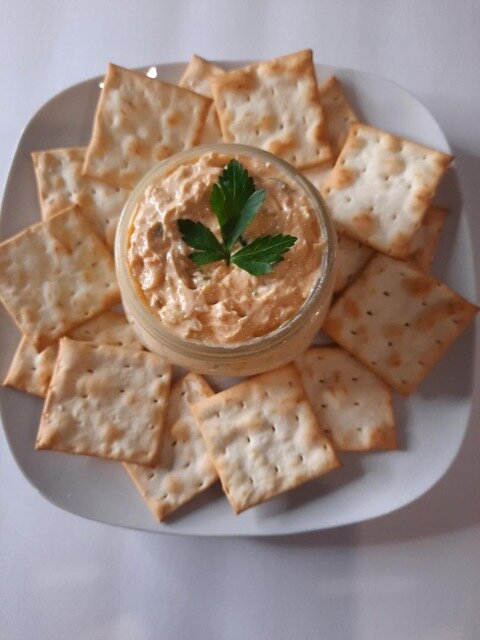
(235, 202)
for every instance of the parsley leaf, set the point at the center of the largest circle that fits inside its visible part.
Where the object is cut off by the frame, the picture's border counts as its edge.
(259, 256)
(235, 203)
(198, 236)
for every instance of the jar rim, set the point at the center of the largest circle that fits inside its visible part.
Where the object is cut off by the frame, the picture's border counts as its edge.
(209, 351)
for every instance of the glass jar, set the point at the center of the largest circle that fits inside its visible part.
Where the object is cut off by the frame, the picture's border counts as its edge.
(261, 353)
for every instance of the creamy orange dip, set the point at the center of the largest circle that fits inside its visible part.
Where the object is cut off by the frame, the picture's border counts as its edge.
(216, 303)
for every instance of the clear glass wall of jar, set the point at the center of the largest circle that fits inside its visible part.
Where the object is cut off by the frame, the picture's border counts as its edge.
(253, 356)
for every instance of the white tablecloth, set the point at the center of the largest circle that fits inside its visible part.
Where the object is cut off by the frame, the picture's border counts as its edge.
(412, 575)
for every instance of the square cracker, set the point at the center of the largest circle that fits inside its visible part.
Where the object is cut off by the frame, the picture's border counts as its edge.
(351, 403)
(56, 275)
(32, 370)
(318, 176)
(352, 256)
(398, 321)
(106, 401)
(185, 469)
(274, 105)
(196, 77)
(381, 187)
(60, 185)
(263, 437)
(139, 122)
(425, 240)
(339, 114)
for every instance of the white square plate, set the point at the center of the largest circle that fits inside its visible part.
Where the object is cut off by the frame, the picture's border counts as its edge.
(431, 424)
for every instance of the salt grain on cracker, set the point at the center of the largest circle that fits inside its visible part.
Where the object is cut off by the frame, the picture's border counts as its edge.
(351, 403)
(32, 370)
(139, 122)
(381, 187)
(185, 469)
(60, 185)
(398, 321)
(263, 437)
(55, 275)
(106, 401)
(274, 105)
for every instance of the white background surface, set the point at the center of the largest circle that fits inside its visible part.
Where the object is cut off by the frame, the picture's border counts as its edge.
(412, 575)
